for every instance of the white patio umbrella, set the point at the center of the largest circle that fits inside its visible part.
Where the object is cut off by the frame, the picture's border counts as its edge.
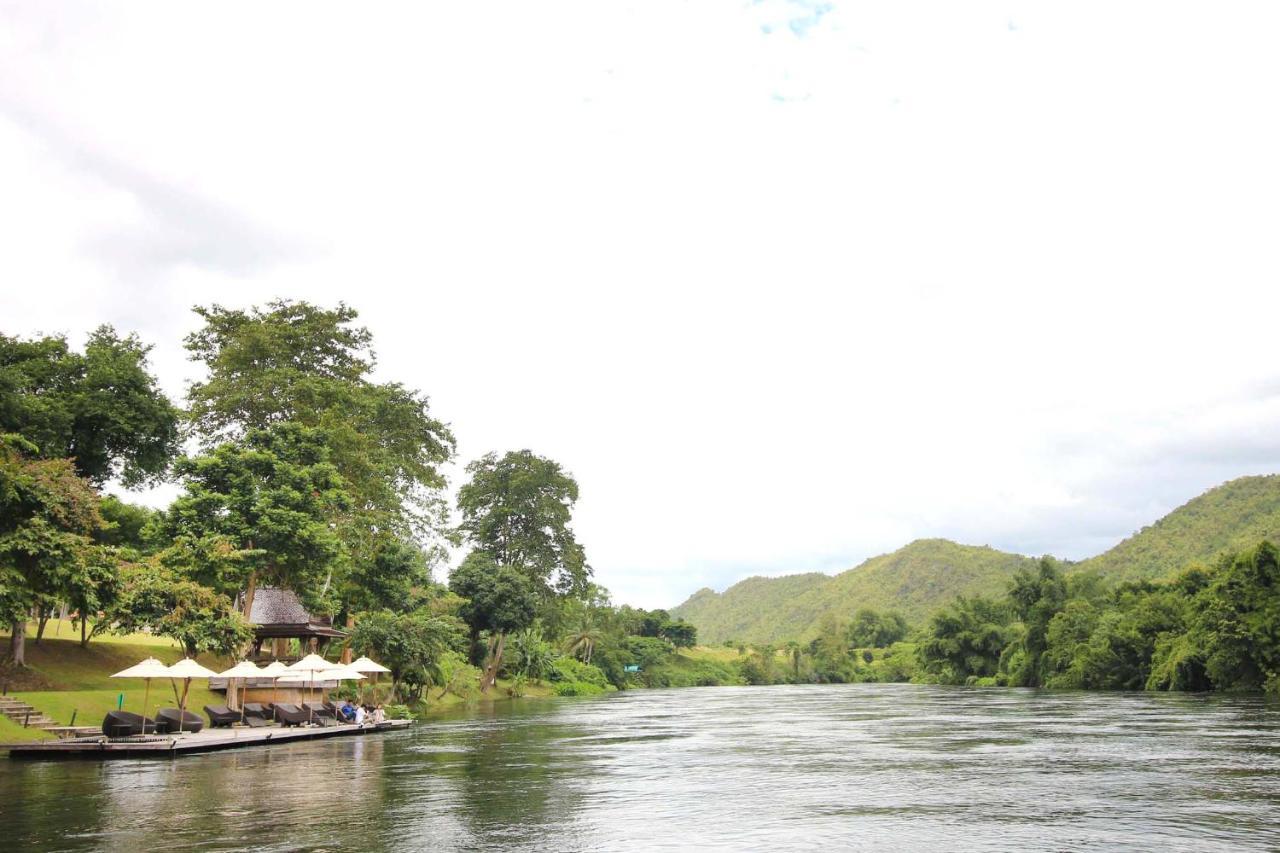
(274, 670)
(187, 669)
(309, 666)
(146, 670)
(244, 669)
(363, 664)
(369, 667)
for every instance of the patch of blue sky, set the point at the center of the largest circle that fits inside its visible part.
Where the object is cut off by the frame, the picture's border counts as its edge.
(799, 16)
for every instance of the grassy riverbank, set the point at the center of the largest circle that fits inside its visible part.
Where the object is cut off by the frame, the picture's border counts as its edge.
(62, 679)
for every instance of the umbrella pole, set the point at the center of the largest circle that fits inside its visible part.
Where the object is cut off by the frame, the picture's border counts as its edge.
(146, 700)
(182, 705)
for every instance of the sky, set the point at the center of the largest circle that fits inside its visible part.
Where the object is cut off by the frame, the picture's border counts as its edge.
(784, 284)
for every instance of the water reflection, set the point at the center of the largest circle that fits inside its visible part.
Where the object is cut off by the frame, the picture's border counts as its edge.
(848, 767)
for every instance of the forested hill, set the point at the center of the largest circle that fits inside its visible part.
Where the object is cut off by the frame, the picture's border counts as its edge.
(914, 580)
(1233, 516)
(924, 575)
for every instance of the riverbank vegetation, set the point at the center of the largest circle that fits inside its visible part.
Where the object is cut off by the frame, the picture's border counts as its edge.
(301, 472)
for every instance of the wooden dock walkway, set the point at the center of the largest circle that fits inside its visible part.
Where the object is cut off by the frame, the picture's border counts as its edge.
(173, 746)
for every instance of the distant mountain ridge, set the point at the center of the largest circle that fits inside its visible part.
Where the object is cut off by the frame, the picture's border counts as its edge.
(922, 576)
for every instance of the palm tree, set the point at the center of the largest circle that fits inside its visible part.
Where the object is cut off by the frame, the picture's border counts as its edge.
(582, 640)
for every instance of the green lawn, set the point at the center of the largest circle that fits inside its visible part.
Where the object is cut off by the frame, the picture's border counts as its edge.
(64, 679)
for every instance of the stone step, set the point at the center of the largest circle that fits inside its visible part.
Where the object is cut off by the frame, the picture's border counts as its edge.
(17, 713)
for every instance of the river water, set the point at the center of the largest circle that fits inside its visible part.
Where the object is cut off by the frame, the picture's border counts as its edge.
(850, 767)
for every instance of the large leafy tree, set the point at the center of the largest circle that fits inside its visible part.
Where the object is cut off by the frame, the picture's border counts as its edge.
(101, 408)
(1236, 629)
(1036, 598)
(153, 597)
(964, 640)
(499, 600)
(47, 517)
(516, 509)
(257, 511)
(411, 645)
(297, 362)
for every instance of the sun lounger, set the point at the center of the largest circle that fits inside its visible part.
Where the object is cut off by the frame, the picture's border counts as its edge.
(167, 721)
(125, 724)
(220, 716)
(291, 715)
(258, 714)
(320, 714)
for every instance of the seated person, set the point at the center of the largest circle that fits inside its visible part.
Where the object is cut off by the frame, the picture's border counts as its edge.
(347, 711)
(360, 715)
(379, 715)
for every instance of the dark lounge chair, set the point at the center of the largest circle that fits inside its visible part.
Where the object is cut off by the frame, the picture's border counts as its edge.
(290, 714)
(320, 715)
(256, 714)
(125, 724)
(220, 716)
(167, 721)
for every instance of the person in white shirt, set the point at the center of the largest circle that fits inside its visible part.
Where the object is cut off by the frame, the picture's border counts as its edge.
(360, 715)
(379, 716)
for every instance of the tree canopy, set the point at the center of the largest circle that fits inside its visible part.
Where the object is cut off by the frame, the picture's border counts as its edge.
(257, 510)
(516, 509)
(102, 408)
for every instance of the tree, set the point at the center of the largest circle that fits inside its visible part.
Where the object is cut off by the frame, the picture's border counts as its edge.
(102, 409)
(498, 600)
(583, 639)
(127, 526)
(964, 640)
(411, 645)
(92, 589)
(1036, 597)
(257, 511)
(47, 516)
(395, 576)
(155, 598)
(293, 361)
(1236, 629)
(516, 509)
(515, 512)
(871, 629)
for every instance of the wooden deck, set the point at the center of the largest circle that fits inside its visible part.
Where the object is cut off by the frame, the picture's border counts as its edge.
(173, 746)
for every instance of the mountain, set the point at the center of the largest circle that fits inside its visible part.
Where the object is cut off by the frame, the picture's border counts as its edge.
(1231, 517)
(924, 575)
(915, 580)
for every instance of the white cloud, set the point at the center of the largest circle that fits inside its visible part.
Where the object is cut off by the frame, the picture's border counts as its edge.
(780, 300)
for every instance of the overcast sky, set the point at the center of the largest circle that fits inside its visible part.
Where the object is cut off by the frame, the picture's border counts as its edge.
(783, 284)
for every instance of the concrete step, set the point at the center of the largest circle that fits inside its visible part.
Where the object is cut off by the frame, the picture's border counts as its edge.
(18, 713)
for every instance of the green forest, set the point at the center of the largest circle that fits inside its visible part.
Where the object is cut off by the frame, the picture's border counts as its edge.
(296, 470)
(1190, 603)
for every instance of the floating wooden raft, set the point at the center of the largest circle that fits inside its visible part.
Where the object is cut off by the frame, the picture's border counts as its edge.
(172, 746)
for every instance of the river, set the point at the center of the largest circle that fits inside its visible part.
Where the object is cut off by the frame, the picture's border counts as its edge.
(850, 767)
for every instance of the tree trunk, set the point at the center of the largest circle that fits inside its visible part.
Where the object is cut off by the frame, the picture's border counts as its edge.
(42, 619)
(346, 651)
(18, 644)
(495, 661)
(250, 590)
(84, 631)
